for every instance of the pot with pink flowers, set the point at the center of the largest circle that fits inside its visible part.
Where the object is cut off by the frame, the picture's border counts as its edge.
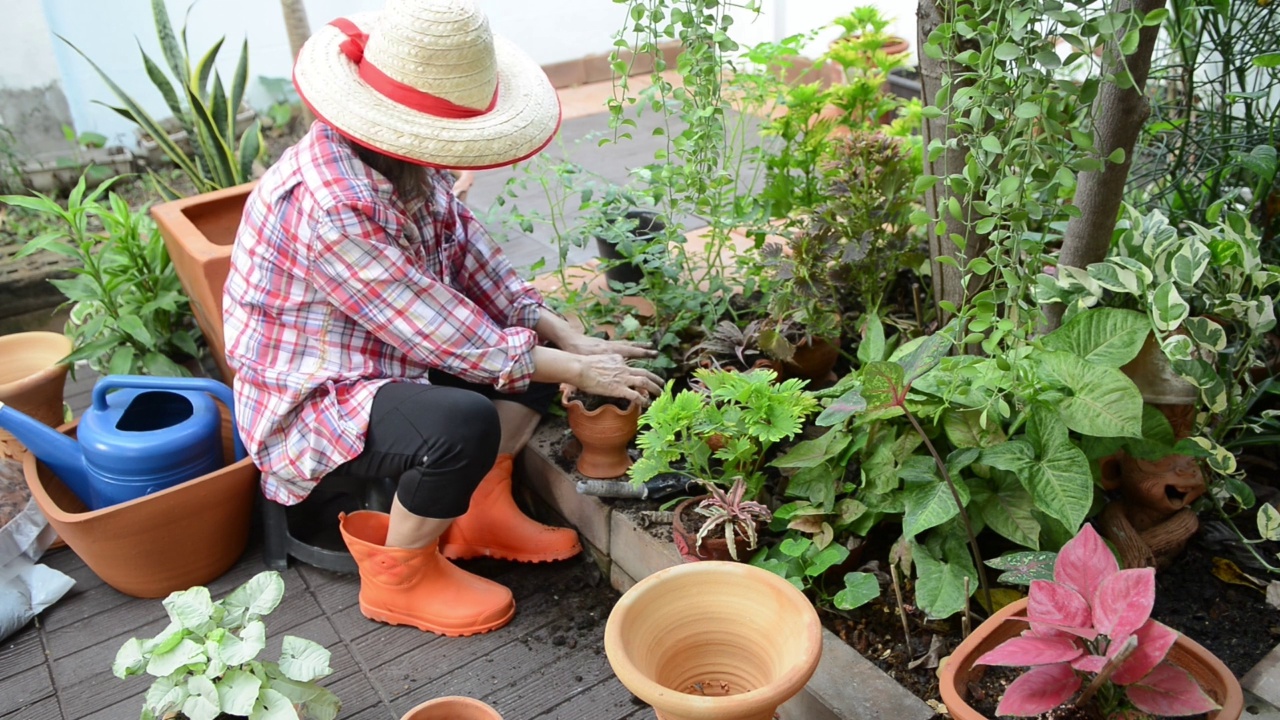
(1087, 639)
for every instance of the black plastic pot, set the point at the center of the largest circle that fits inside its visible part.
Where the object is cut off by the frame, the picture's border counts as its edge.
(619, 267)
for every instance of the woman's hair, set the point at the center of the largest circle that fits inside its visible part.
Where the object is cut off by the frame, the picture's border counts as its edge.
(408, 179)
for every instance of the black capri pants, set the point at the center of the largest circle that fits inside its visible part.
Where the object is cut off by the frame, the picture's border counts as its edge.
(439, 440)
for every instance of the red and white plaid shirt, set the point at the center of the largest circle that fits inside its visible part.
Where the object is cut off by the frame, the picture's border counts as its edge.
(337, 287)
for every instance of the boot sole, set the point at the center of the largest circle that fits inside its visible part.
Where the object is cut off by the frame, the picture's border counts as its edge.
(472, 552)
(398, 619)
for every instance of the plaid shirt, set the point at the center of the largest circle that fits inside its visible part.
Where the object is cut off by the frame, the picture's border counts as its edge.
(337, 287)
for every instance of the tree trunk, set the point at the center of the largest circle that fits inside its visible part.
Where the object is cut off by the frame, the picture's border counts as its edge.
(1119, 116)
(295, 23)
(946, 278)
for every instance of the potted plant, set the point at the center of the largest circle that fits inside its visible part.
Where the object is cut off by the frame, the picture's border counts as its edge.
(128, 312)
(1092, 623)
(452, 708)
(729, 518)
(604, 427)
(205, 661)
(713, 640)
(32, 375)
(729, 346)
(626, 236)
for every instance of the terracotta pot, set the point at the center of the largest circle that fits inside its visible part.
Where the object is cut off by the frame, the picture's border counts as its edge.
(186, 535)
(31, 381)
(713, 640)
(452, 708)
(198, 232)
(1155, 377)
(604, 433)
(684, 528)
(1186, 653)
(813, 360)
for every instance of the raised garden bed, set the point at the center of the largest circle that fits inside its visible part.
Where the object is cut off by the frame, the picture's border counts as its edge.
(629, 543)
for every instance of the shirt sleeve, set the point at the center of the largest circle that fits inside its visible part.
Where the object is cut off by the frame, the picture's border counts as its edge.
(357, 264)
(489, 278)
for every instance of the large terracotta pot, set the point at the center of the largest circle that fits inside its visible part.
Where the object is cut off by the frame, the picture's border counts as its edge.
(452, 708)
(713, 641)
(31, 381)
(1186, 653)
(605, 434)
(198, 232)
(170, 540)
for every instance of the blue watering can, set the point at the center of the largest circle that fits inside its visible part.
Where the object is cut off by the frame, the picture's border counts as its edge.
(150, 434)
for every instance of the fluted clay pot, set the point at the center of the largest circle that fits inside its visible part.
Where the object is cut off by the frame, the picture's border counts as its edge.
(1186, 653)
(452, 708)
(605, 434)
(713, 641)
(31, 381)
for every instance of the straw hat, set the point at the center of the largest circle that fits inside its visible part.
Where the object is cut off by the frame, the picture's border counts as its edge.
(426, 81)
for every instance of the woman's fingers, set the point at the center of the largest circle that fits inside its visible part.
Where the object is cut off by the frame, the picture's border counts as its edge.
(630, 349)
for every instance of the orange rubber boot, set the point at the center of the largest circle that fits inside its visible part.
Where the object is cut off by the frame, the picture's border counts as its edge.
(496, 527)
(419, 587)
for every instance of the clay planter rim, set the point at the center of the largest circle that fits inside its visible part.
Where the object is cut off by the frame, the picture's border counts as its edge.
(714, 576)
(52, 341)
(1007, 623)
(632, 408)
(451, 707)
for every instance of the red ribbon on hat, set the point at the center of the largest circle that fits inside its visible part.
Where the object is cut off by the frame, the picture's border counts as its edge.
(394, 90)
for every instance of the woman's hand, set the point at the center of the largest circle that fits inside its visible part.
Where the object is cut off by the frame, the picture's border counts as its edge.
(588, 345)
(610, 375)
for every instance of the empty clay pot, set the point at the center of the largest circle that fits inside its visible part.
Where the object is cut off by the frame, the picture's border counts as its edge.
(452, 708)
(713, 640)
(31, 381)
(605, 434)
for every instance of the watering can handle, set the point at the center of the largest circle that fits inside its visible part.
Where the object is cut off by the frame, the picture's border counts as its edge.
(148, 382)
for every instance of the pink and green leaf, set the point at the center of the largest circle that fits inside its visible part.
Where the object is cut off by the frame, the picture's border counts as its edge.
(1154, 641)
(1030, 650)
(1039, 690)
(1084, 562)
(1061, 607)
(1122, 602)
(1090, 663)
(1169, 691)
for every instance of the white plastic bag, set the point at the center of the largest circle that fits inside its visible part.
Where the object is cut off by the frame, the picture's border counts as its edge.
(26, 588)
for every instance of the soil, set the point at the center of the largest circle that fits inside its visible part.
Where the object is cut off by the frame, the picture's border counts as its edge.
(989, 690)
(595, 402)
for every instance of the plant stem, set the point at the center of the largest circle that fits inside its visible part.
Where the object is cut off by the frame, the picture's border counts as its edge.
(1217, 503)
(902, 613)
(1108, 670)
(955, 494)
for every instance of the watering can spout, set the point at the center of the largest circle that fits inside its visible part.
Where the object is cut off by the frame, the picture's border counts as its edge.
(54, 449)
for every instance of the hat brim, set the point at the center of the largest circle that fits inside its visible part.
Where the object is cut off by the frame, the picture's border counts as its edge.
(521, 123)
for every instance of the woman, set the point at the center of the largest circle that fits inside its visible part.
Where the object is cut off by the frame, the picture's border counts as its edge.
(376, 331)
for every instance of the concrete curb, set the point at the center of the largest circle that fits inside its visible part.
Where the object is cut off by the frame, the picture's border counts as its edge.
(846, 685)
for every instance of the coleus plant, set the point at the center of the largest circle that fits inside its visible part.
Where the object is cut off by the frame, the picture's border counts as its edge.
(1094, 619)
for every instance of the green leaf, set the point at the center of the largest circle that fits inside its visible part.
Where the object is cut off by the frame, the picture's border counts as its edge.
(1168, 309)
(883, 385)
(133, 325)
(303, 660)
(272, 705)
(814, 452)
(238, 649)
(1206, 332)
(1101, 400)
(964, 429)
(189, 609)
(1023, 567)
(166, 663)
(165, 696)
(921, 355)
(129, 660)
(258, 596)
(1116, 157)
(842, 408)
(202, 699)
(930, 504)
(252, 145)
(238, 692)
(1109, 337)
(1027, 110)
(991, 144)
(827, 558)
(1059, 480)
(860, 588)
(940, 585)
(1190, 262)
(1012, 455)
(1004, 505)
(1008, 51)
(1267, 60)
(162, 84)
(1115, 277)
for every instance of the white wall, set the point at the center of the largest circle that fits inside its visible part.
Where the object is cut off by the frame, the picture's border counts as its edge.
(110, 31)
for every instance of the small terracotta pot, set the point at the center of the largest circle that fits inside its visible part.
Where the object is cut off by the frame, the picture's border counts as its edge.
(452, 708)
(1186, 653)
(31, 381)
(604, 433)
(176, 538)
(684, 528)
(198, 232)
(813, 360)
(713, 640)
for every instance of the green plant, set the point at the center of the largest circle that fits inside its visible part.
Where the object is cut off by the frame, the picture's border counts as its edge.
(727, 343)
(205, 661)
(284, 103)
(731, 513)
(202, 106)
(742, 414)
(129, 314)
(803, 562)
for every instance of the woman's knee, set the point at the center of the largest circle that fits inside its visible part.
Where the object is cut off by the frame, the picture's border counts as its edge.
(461, 435)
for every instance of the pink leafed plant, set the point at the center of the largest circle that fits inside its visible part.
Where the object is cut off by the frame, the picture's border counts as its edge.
(1094, 619)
